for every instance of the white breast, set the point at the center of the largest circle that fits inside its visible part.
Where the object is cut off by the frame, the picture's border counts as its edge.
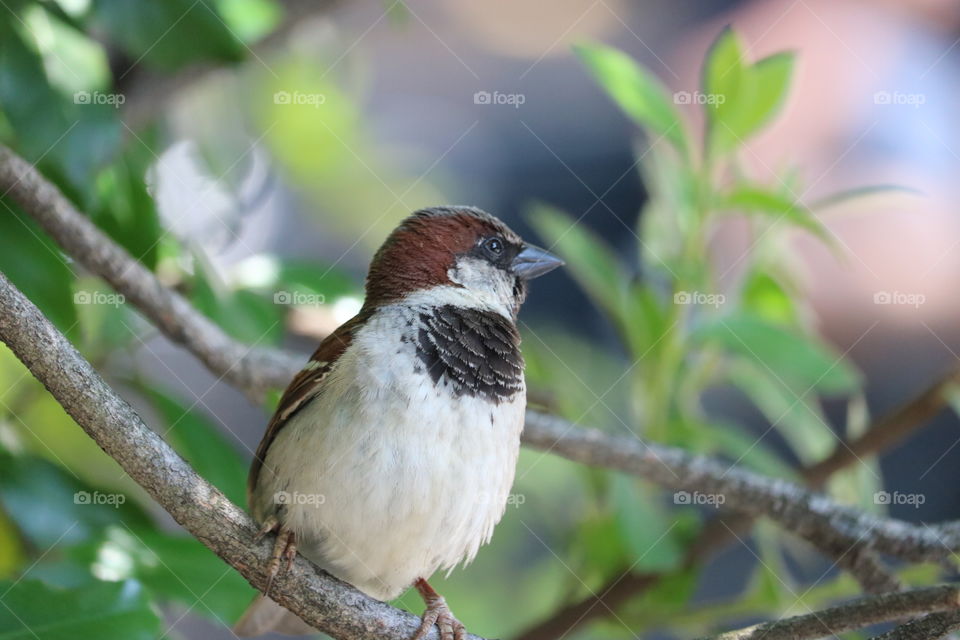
(386, 478)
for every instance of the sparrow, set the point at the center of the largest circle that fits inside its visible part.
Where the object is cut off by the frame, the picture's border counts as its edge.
(392, 452)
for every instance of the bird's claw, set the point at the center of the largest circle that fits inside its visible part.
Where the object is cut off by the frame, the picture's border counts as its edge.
(439, 614)
(284, 551)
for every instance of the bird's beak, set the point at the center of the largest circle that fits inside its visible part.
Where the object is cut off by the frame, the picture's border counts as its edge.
(533, 261)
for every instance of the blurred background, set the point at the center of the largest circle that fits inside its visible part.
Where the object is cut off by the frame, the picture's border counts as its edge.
(254, 154)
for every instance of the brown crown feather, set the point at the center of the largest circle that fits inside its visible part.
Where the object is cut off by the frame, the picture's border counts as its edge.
(424, 247)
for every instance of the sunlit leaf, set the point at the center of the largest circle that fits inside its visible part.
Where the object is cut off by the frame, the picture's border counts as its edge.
(741, 97)
(70, 139)
(176, 568)
(637, 91)
(764, 296)
(754, 199)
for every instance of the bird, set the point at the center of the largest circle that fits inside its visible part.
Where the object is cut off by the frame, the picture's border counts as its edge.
(392, 453)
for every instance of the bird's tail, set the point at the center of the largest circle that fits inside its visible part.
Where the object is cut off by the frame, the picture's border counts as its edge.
(266, 616)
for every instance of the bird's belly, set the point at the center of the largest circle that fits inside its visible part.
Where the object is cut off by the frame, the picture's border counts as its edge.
(394, 481)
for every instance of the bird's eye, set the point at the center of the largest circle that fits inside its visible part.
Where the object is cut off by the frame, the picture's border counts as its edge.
(494, 246)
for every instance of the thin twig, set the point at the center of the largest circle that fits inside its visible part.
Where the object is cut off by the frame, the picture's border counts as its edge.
(931, 627)
(887, 431)
(850, 616)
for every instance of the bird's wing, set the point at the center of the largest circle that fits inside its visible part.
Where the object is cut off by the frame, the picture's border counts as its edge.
(304, 387)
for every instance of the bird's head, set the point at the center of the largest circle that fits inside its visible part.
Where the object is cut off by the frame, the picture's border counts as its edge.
(456, 255)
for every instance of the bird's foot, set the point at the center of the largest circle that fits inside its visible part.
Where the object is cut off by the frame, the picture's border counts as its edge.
(437, 613)
(284, 551)
(269, 525)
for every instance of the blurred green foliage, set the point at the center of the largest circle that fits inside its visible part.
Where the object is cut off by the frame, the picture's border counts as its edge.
(82, 548)
(685, 328)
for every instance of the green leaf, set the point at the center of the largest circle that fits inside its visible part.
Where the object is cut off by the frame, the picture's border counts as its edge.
(106, 611)
(799, 420)
(247, 316)
(214, 456)
(723, 79)
(69, 141)
(735, 443)
(764, 296)
(644, 526)
(12, 551)
(167, 34)
(741, 97)
(35, 265)
(636, 90)
(271, 275)
(126, 211)
(857, 193)
(645, 320)
(50, 506)
(800, 363)
(755, 199)
(176, 568)
(592, 263)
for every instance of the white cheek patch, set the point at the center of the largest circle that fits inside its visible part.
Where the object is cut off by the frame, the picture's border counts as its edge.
(491, 285)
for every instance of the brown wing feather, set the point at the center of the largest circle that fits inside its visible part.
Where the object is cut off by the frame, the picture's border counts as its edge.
(304, 386)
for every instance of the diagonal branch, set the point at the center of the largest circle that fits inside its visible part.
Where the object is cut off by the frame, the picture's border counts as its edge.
(810, 515)
(884, 433)
(854, 615)
(931, 627)
(320, 599)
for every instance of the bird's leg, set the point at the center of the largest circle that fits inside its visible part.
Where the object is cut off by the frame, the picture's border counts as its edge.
(284, 550)
(269, 525)
(437, 613)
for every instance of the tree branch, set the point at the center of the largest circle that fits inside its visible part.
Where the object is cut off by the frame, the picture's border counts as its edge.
(853, 615)
(886, 431)
(328, 604)
(814, 517)
(810, 515)
(880, 436)
(936, 625)
(807, 514)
